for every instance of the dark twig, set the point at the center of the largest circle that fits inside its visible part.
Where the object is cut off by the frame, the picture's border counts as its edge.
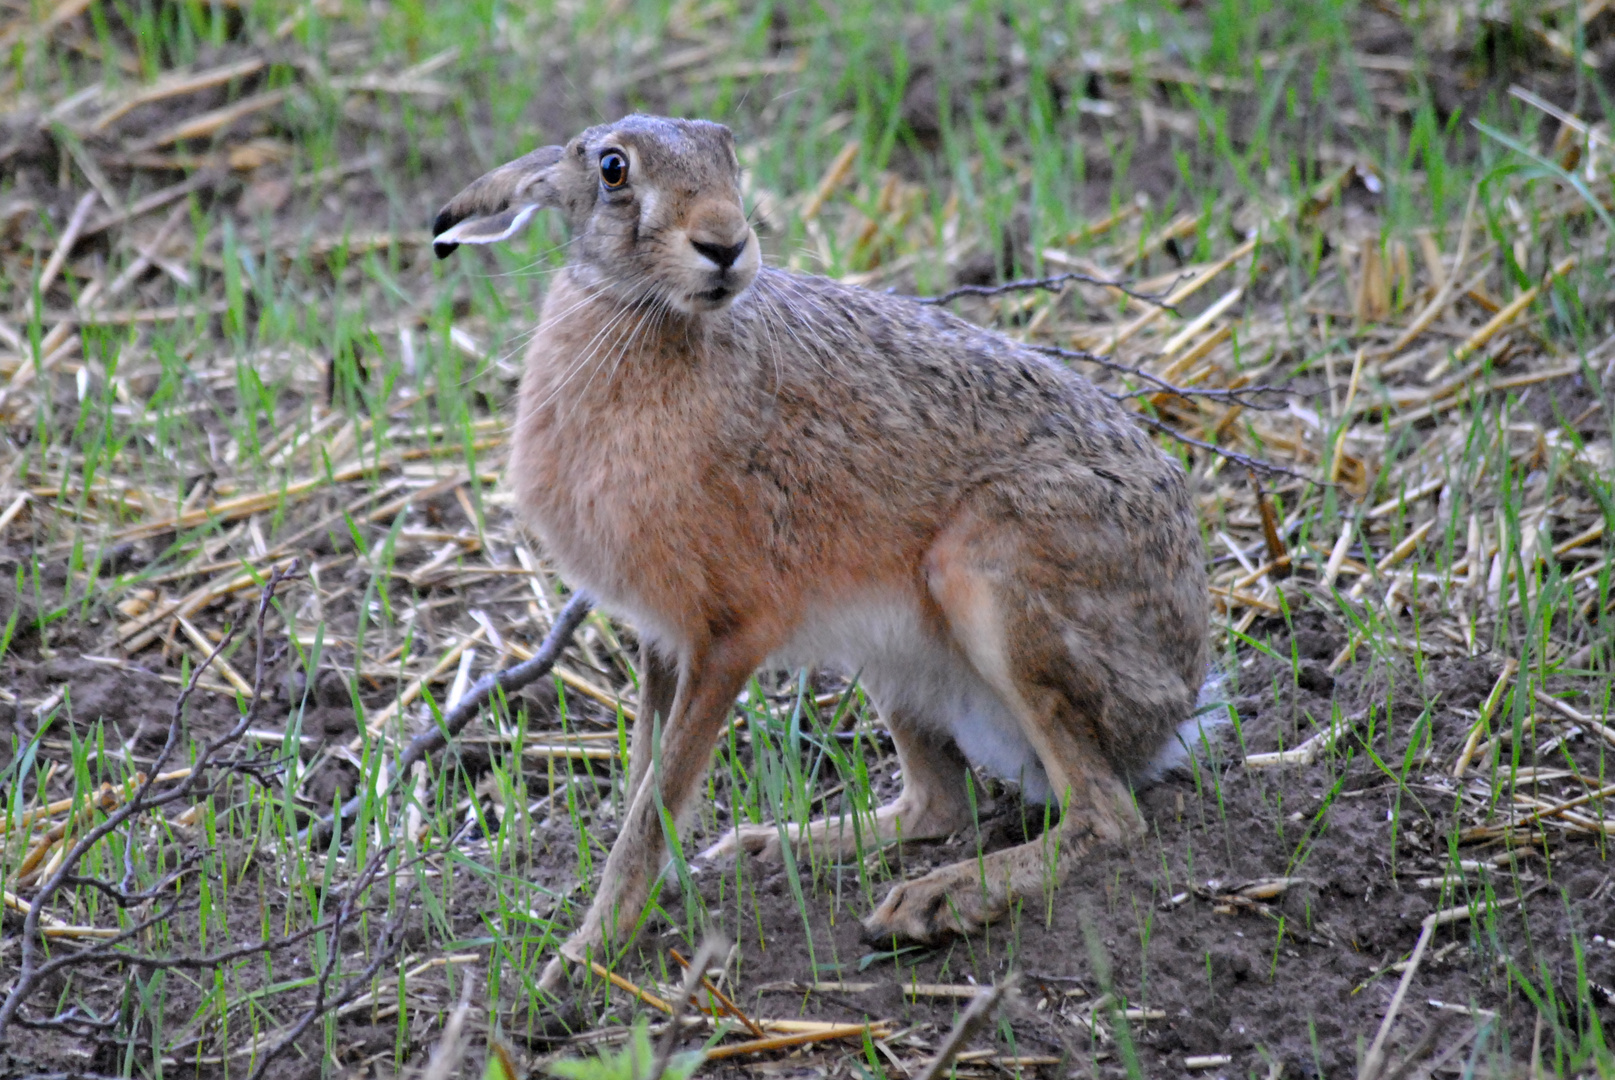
(1241, 396)
(208, 960)
(1267, 468)
(1236, 397)
(344, 915)
(386, 947)
(101, 948)
(121, 896)
(466, 709)
(1052, 283)
(145, 796)
(69, 1021)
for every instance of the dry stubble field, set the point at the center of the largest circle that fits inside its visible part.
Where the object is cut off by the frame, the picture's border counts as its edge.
(253, 441)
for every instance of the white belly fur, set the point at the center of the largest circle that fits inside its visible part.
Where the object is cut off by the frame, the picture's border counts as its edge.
(906, 667)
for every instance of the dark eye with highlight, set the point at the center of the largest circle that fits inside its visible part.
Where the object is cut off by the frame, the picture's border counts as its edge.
(613, 169)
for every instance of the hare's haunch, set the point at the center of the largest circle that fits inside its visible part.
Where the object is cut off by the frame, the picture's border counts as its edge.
(752, 465)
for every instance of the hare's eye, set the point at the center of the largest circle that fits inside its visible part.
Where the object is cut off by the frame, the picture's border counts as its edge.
(613, 169)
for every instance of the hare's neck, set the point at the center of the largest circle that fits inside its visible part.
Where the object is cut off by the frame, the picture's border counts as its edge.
(595, 345)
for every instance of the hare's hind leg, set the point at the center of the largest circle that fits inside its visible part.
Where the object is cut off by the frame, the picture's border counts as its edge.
(933, 803)
(1019, 640)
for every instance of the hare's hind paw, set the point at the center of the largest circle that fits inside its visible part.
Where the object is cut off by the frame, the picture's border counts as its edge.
(929, 909)
(966, 896)
(759, 840)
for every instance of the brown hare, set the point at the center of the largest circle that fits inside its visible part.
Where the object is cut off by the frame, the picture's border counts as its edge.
(754, 467)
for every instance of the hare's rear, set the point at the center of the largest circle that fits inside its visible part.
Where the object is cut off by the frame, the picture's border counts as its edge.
(758, 466)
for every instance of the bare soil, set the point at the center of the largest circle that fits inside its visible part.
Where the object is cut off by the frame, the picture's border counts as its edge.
(1303, 979)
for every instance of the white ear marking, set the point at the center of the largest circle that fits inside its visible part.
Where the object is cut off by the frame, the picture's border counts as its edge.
(487, 230)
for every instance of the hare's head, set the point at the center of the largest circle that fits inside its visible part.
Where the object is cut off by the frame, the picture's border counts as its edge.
(653, 204)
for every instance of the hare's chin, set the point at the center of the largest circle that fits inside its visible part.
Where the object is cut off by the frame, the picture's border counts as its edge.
(715, 298)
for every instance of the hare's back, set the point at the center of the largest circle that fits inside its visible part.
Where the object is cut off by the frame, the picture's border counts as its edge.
(917, 380)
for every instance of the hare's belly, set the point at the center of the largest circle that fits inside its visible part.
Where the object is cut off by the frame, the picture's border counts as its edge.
(907, 665)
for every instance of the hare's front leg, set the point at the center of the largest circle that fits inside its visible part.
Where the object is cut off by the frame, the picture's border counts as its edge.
(709, 680)
(932, 805)
(658, 689)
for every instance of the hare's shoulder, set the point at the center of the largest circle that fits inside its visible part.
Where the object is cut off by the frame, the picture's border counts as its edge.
(930, 360)
(920, 338)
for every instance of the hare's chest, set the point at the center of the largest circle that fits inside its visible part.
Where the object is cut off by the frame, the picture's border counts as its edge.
(615, 506)
(599, 483)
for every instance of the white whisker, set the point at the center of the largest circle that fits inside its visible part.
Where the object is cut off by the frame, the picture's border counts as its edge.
(791, 317)
(589, 352)
(656, 316)
(622, 347)
(527, 335)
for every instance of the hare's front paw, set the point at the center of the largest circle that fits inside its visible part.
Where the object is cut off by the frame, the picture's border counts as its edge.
(563, 968)
(928, 909)
(759, 840)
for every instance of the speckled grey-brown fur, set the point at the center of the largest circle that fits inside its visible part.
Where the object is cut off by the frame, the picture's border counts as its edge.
(749, 463)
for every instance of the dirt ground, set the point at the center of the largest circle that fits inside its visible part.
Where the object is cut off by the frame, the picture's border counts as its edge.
(1301, 980)
(1260, 920)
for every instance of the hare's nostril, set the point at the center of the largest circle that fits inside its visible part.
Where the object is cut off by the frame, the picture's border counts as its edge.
(722, 256)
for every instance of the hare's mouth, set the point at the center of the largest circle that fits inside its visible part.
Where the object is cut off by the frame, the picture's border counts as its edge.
(720, 295)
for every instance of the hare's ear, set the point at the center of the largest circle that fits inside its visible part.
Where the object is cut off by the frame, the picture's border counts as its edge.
(495, 205)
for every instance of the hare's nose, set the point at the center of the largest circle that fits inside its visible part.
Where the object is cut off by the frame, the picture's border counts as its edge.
(723, 257)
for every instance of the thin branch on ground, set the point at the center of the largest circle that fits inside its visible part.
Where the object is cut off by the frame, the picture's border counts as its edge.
(208, 960)
(124, 898)
(1247, 396)
(1238, 397)
(466, 709)
(31, 970)
(1255, 464)
(385, 947)
(82, 1027)
(102, 948)
(1052, 283)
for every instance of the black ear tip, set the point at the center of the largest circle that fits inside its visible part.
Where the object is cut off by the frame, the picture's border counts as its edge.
(442, 223)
